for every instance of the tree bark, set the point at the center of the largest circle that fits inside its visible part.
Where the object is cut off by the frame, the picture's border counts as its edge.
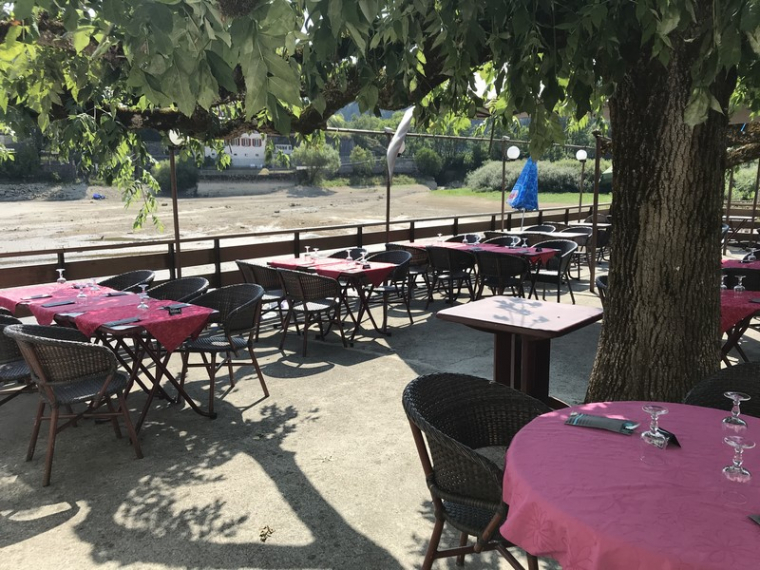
(660, 333)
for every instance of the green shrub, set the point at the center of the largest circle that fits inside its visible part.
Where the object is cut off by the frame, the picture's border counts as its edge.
(317, 161)
(362, 162)
(744, 182)
(25, 163)
(560, 176)
(187, 175)
(428, 162)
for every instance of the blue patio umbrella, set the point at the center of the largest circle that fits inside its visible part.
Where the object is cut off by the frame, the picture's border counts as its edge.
(524, 194)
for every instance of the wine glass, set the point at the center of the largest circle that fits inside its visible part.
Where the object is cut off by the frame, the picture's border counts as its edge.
(143, 296)
(739, 288)
(751, 257)
(308, 253)
(61, 279)
(723, 285)
(525, 243)
(734, 422)
(82, 292)
(653, 436)
(440, 238)
(94, 285)
(316, 253)
(735, 472)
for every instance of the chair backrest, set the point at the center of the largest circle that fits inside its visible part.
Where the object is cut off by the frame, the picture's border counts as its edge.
(602, 284)
(504, 240)
(419, 254)
(237, 306)
(464, 238)
(578, 230)
(738, 378)
(458, 414)
(751, 279)
(183, 290)
(302, 287)
(400, 259)
(60, 355)
(262, 275)
(246, 270)
(491, 234)
(561, 261)
(9, 350)
(129, 281)
(502, 266)
(541, 228)
(449, 259)
(354, 252)
(753, 255)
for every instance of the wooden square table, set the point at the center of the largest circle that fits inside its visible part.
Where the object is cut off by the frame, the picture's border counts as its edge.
(523, 329)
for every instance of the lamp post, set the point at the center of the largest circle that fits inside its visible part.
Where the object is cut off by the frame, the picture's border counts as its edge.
(503, 177)
(177, 141)
(581, 157)
(513, 153)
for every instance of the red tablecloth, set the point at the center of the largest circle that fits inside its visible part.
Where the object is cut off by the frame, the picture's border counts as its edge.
(529, 253)
(46, 315)
(10, 298)
(734, 307)
(737, 264)
(584, 497)
(332, 267)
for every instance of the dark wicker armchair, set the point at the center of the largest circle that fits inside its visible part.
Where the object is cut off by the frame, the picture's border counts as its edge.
(14, 372)
(69, 370)
(274, 294)
(541, 228)
(557, 269)
(505, 240)
(129, 281)
(465, 238)
(451, 267)
(497, 271)
(395, 286)
(419, 265)
(739, 378)
(465, 420)
(353, 253)
(602, 285)
(236, 321)
(311, 299)
(182, 290)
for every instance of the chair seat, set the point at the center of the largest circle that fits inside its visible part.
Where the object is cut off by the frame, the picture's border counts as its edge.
(215, 342)
(315, 305)
(491, 281)
(272, 295)
(85, 389)
(14, 371)
(471, 520)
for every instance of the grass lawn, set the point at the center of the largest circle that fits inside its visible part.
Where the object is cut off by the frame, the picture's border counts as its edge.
(552, 198)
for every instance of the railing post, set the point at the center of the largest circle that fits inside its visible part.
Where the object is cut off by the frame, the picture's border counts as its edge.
(456, 226)
(218, 261)
(567, 216)
(411, 231)
(509, 221)
(493, 222)
(172, 262)
(297, 244)
(360, 235)
(61, 260)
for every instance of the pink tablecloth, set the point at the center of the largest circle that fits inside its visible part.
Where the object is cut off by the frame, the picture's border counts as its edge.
(332, 267)
(737, 264)
(10, 298)
(735, 307)
(583, 496)
(530, 253)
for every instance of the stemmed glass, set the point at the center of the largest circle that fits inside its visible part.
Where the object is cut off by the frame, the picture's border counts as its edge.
(751, 257)
(94, 285)
(653, 436)
(82, 291)
(735, 472)
(734, 422)
(143, 297)
(316, 253)
(739, 288)
(440, 238)
(61, 279)
(308, 253)
(525, 243)
(723, 285)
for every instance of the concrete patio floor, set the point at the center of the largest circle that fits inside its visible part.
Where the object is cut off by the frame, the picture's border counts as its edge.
(322, 474)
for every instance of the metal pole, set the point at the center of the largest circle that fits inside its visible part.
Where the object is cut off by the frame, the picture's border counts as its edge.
(388, 197)
(728, 207)
(594, 212)
(754, 203)
(580, 198)
(173, 178)
(503, 177)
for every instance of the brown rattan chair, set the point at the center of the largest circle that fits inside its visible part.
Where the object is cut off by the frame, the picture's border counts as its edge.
(14, 372)
(541, 228)
(497, 271)
(464, 238)
(466, 422)
(69, 370)
(581, 255)
(311, 299)
(394, 289)
(451, 267)
(602, 285)
(419, 265)
(557, 269)
(182, 290)
(234, 325)
(505, 240)
(739, 378)
(129, 281)
(274, 294)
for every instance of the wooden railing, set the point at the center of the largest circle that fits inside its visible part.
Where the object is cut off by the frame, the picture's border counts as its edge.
(214, 256)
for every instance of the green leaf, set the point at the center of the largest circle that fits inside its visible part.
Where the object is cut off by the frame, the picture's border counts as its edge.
(696, 109)
(335, 15)
(81, 38)
(369, 9)
(221, 71)
(319, 103)
(22, 9)
(161, 18)
(70, 19)
(284, 90)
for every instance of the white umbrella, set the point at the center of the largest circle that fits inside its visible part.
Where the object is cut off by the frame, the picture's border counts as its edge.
(395, 148)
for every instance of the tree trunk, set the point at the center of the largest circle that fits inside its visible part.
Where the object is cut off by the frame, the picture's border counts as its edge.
(661, 325)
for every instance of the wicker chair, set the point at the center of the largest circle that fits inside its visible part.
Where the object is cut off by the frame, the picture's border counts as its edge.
(274, 294)
(235, 324)
(129, 281)
(557, 269)
(451, 267)
(498, 271)
(505, 240)
(753, 255)
(5, 312)
(419, 265)
(494, 234)
(739, 378)
(581, 255)
(466, 420)
(602, 284)
(354, 253)
(14, 372)
(395, 286)
(182, 290)
(464, 238)
(68, 370)
(541, 228)
(311, 299)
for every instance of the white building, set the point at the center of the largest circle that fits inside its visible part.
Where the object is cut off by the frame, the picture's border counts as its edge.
(246, 151)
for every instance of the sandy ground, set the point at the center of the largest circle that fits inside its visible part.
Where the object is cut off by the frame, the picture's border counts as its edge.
(69, 216)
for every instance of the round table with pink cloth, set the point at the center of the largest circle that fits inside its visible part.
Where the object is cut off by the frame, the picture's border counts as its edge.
(585, 498)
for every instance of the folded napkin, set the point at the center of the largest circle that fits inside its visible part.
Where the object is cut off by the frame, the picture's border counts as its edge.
(58, 303)
(755, 518)
(117, 293)
(175, 306)
(122, 322)
(672, 439)
(625, 427)
(31, 297)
